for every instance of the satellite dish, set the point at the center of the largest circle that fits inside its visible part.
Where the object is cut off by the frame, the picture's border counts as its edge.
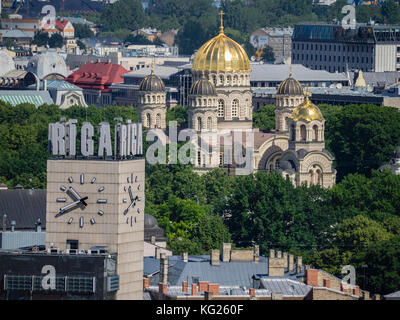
(370, 88)
(339, 86)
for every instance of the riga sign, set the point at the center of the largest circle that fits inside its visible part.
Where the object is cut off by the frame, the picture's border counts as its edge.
(127, 139)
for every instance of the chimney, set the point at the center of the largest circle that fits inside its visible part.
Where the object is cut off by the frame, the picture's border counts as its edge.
(4, 222)
(185, 257)
(13, 223)
(38, 226)
(291, 262)
(184, 286)
(208, 295)
(226, 252)
(153, 240)
(252, 293)
(214, 257)
(256, 253)
(356, 290)
(285, 258)
(279, 254)
(162, 288)
(194, 289)
(163, 268)
(365, 295)
(312, 277)
(271, 253)
(146, 283)
(299, 264)
(158, 253)
(214, 289)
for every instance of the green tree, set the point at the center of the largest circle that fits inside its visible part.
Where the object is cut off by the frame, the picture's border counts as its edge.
(121, 14)
(354, 134)
(264, 118)
(268, 55)
(178, 114)
(41, 39)
(56, 41)
(82, 31)
(390, 12)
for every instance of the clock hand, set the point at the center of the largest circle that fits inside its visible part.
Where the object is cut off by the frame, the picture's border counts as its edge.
(76, 194)
(130, 193)
(68, 208)
(130, 206)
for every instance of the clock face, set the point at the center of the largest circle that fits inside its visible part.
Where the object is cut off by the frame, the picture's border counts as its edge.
(76, 201)
(132, 188)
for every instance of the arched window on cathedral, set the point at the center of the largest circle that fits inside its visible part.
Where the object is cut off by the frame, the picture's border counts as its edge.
(293, 130)
(198, 158)
(153, 99)
(221, 80)
(319, 177)
(228, 80)
(214, 79)
(235, 80)
(241, 80)
(311, 177)
(303, 132)
(221, 108)
(235, 106)
(158, 120)
(199, 124)
(209, 123)
(315, 132)
(158, 99)
(148, 120)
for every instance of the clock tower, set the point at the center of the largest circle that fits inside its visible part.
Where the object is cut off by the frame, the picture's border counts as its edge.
(99, 202)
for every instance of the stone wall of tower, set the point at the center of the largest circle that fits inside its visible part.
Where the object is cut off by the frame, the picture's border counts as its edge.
(202, 113)
(284, 107)
(121, 234)
(234, 94)
(152, 108)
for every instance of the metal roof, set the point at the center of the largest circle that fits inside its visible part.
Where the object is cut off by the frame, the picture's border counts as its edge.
(393, 295)
(287, 287)
(162, 71)
(25, 206)
(280, 72)
(19, 239)
(233, 273)
(16, 97)
(59, 85)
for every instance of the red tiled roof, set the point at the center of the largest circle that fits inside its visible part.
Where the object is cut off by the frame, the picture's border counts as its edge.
(61, 24)
(98, 75)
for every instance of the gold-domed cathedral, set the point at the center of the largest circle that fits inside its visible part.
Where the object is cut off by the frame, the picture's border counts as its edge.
(220, 100)
(226, 65)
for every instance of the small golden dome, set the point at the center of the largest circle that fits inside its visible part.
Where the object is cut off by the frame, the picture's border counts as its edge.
(152, 82)
(203, 87)
(290, 87)
(221, 53)
(307, 111)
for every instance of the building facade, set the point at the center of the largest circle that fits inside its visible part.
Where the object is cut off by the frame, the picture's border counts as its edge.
(368, 47)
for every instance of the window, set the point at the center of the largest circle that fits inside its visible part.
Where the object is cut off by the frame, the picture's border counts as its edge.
(303, 132)
(315, 130)
(221, 108)
(209, 123)
(158, 120)
(199, 158)
(73, 244)
(148, 120)
(199, 124)
(235, 105)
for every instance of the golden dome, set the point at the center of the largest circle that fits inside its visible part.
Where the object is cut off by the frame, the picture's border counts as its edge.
(221, 53)
(290, 86)
(307, 111)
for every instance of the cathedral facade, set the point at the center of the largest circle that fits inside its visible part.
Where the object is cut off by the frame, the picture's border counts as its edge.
(220, 102)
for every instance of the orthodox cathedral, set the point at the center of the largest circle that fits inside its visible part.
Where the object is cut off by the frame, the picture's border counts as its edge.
(220, 101)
